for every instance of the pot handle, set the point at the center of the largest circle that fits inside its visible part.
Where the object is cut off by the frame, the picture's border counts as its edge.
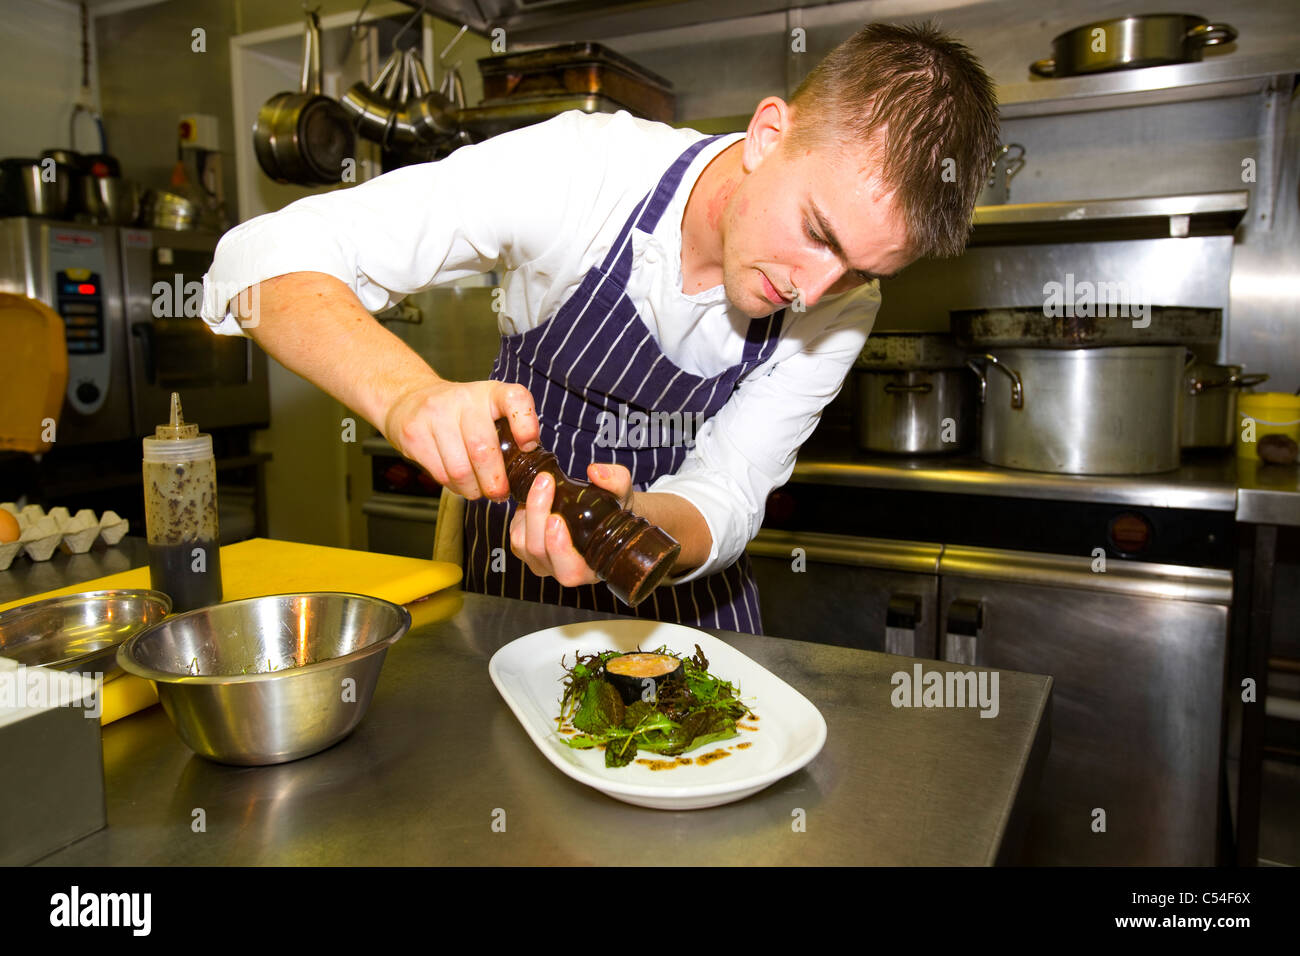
(1211, 34)
(1017, 385)
(1250, 381)
(922, 388)
(404, 92)
(1045, 67)
(1015, 163)
(311, 55)
(419, 78)
(377, 84)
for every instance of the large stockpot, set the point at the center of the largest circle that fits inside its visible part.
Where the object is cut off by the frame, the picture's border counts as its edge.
(1210, 404)
(1101, 411)
(915, 412)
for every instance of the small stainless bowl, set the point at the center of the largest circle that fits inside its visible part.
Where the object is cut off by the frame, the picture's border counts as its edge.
(270, 679)
(79, 632)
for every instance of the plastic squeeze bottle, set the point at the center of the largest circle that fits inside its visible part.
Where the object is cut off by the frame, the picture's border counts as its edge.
(625, 550)
(180, 513)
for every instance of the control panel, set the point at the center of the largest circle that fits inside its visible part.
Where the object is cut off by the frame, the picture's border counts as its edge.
(78, 265)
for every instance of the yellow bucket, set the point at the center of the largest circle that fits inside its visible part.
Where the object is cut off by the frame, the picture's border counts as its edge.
(1274, 413)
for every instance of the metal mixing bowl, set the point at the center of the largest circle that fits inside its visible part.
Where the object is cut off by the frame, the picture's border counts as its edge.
(270, 679)
(79, 632)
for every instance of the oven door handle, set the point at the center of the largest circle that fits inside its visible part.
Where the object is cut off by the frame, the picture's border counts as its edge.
(961, 632)
(144, 332)
(902, 617)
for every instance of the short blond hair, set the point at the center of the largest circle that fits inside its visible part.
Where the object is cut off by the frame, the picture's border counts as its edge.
(920, 101)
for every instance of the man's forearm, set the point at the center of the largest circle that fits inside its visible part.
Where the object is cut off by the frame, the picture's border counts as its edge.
(314, 325)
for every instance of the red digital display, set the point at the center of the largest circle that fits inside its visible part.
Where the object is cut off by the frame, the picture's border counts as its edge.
(86, 288)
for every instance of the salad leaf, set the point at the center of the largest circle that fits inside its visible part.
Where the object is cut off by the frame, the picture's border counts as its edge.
(601, 709)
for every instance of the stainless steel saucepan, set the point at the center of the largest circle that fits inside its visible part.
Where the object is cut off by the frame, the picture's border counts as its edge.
(1126, 43)
(304, 137)
(1102, 411)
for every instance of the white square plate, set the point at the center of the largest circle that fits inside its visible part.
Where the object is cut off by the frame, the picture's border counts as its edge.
(790, 733)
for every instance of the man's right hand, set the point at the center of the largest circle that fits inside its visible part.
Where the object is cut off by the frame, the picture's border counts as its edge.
(449, 428)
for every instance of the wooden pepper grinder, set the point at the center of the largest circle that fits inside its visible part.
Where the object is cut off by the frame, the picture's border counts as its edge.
(625, 550)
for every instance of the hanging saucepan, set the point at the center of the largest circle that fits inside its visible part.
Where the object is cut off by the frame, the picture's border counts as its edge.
(1127, 43)
(304, 137)
(370, 106)
(427, 117)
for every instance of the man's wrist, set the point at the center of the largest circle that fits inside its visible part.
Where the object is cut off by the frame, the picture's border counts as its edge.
(682, 520)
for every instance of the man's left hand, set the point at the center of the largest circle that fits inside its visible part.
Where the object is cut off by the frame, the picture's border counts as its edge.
(541, 539)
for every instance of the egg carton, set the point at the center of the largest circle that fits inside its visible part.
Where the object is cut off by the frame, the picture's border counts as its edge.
(42, 533)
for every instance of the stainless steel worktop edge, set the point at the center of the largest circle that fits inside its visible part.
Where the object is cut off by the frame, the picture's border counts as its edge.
(1257, 493)
(1206, 486)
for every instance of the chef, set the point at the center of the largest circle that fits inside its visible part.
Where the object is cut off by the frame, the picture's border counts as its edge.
(723, 283)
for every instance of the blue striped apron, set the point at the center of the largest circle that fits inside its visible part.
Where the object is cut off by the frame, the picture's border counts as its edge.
(594, 356)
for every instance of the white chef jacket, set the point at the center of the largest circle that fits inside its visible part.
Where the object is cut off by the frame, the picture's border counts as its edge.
(541, 205)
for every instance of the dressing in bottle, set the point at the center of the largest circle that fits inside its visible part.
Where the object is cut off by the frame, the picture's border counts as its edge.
(180, 511)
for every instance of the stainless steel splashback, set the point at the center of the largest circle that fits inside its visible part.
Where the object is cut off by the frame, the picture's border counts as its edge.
(1191, 272)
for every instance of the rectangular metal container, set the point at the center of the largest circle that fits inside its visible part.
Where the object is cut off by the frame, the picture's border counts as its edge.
(51, 766)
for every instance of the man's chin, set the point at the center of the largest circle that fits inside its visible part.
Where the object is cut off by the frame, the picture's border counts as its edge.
(754, 305)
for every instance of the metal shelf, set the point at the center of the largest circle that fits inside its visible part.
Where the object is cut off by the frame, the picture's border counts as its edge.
(1092, 220)
(1220, 76)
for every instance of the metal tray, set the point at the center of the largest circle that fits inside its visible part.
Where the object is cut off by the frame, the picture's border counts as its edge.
(489, 119)
(577, 69)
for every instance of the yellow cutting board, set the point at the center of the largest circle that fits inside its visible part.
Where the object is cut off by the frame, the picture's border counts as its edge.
(262, 566)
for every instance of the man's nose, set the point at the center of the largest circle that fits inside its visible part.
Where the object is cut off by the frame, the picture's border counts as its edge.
(817, 278)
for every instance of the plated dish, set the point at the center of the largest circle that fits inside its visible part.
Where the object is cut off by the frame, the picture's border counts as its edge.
(532, 674)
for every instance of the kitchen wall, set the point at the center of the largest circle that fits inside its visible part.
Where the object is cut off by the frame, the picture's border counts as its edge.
(40, 48)
(151, 73)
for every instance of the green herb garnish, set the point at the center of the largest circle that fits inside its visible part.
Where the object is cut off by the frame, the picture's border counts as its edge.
(685, 714)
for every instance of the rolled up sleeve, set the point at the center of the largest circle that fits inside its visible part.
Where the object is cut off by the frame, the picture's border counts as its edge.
(750, 446)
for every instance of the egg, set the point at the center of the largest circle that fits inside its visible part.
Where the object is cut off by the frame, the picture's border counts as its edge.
(9, 530)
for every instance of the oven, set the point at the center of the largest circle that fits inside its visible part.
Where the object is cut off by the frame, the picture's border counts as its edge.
(402, 510)
(130, 301)
(1125, 606)
(76, 271)
(222, 378)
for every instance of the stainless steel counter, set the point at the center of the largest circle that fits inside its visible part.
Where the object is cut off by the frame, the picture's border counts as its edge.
(1268, 494)
(26, 578)
(439, 755)
(1257, 493)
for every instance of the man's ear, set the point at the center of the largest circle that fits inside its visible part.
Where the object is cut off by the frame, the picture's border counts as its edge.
(768, 128)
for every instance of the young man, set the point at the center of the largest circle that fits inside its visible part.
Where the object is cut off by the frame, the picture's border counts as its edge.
(727, 282)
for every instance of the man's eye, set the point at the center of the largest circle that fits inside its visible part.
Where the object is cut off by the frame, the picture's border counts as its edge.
(807, 228)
